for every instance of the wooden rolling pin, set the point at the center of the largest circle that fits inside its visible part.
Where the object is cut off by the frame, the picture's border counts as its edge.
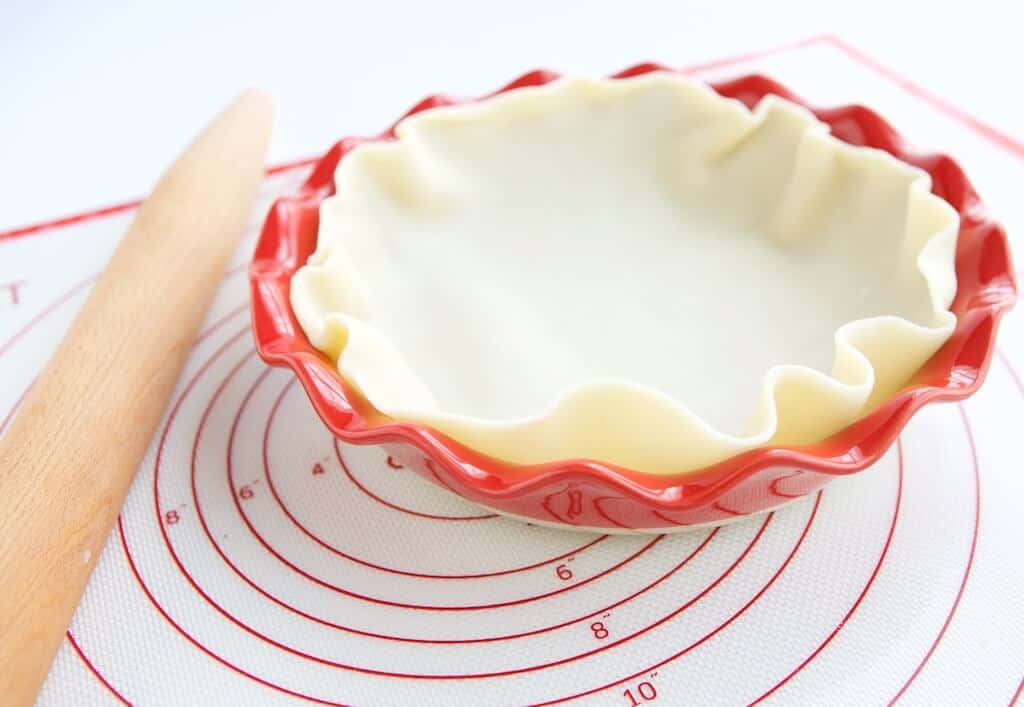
(68, 458)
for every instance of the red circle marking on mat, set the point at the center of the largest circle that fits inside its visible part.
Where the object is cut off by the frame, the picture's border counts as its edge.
(489, 639)
(1020, 388)
(39, 316)
(356, 595)
(45, 312)
(324, 622)
(220, 322)
(138, 576)
(967, 568)
(341, 553)
(188, 637)
(270, 641)
(201, 517)
(64, 298)
(4, 348)
(711, 634)
(551, 664)
(190, 385)
(863, 592)
(92, 669)
(395, 506)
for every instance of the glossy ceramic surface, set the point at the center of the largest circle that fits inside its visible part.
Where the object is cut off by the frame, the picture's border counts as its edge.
(587, 494)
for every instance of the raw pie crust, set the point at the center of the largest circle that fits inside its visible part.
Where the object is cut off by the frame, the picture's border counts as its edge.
(635, 271)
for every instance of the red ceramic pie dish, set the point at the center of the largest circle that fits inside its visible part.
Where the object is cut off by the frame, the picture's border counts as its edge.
(587, 494)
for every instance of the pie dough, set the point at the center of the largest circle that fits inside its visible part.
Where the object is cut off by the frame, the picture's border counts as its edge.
(635, 271)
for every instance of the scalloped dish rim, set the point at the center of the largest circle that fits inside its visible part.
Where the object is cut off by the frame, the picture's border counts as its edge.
(987, 290)
(624, 422)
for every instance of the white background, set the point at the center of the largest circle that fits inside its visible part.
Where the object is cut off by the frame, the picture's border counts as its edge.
(97, 100)
(96, 97)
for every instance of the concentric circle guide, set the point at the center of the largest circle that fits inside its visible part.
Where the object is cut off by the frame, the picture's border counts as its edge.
(259, 561)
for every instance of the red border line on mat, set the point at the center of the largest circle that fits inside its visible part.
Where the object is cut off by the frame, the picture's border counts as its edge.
(68, 220)
(997, 137)
(295, 164)
(118, 208)
(757, 54)
(863, 592)
(1020, 688)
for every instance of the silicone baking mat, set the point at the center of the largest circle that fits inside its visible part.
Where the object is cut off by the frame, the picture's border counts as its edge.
(257, 561)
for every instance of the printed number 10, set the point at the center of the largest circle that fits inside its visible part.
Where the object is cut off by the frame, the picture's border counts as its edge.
(645, 690)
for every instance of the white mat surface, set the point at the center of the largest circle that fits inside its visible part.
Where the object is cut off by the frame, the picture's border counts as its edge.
(257, 563)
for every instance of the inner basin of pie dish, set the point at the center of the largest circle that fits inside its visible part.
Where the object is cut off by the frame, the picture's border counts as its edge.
(635, 271)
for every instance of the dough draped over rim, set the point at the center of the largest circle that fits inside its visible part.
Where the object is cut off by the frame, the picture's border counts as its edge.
(635, 271)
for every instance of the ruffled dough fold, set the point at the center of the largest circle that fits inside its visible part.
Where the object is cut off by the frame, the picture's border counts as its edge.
(609, 180)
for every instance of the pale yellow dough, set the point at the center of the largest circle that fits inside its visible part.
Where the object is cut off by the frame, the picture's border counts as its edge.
(637, 271)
